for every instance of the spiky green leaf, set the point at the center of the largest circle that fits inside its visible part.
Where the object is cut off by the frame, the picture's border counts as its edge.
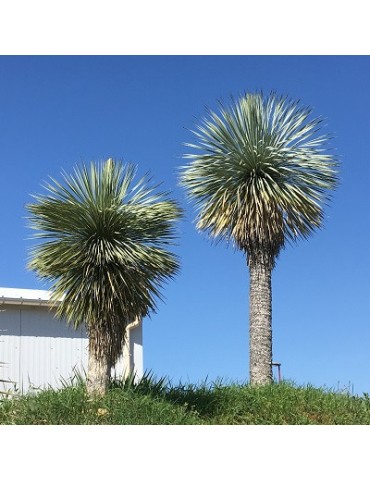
(259, 174)
(104, 245)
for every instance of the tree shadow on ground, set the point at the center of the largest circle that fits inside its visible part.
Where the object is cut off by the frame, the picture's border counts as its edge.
(204, 399)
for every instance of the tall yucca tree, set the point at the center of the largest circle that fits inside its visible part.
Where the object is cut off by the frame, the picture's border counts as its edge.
(260, 177)
(104, 249)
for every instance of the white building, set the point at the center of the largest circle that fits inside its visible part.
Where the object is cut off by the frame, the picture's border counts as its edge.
(38, 350)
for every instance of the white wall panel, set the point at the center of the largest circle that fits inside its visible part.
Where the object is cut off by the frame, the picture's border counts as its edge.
(10, 325)
(39, 350)
(136, 351)
(51, 350)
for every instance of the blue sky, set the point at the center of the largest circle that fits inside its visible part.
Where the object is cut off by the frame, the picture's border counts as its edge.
(56, 112)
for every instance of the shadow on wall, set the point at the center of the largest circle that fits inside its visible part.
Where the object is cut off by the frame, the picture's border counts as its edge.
(35, 322)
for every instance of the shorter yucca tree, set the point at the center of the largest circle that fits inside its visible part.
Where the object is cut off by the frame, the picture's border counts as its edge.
(104, 250)
(260, 177)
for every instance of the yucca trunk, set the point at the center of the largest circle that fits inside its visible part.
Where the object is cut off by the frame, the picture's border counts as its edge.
(260, 321)
(98, 372)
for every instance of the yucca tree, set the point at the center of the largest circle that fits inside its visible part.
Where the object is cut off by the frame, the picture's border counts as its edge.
(260, 176)
(104, 250)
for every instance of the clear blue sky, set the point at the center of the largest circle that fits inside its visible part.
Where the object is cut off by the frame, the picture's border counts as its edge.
(58, 111)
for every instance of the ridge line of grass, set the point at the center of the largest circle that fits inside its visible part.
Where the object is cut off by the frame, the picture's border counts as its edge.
(152, 401)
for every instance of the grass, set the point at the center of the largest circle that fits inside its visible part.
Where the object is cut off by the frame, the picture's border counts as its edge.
(157, 402)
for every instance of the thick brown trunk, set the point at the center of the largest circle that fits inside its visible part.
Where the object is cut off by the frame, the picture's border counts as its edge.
(260, 325)
(98, 373)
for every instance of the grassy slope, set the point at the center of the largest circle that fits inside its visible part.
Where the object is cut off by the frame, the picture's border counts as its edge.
(155, 403)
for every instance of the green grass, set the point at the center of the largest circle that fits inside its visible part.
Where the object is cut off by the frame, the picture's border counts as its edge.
(156, 402)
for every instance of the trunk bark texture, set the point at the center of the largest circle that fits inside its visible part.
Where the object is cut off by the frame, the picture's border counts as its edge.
(98, 373)
(260, 321)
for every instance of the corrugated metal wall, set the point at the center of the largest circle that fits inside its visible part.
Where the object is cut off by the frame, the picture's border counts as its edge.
(10, 340)
(136, 351)
(38, 350)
